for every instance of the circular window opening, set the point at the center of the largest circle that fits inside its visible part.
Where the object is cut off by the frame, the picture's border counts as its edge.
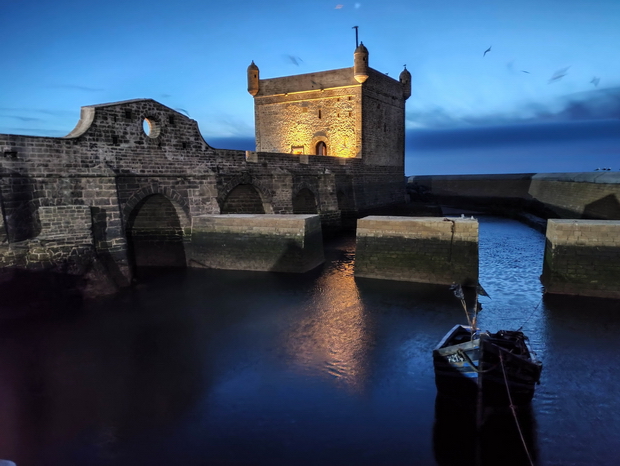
(150, 127)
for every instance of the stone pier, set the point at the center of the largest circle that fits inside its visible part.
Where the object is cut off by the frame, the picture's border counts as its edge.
(582, 257)
(275, 243)
(418, 249)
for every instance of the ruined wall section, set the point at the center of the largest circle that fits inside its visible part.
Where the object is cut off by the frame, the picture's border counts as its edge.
(109, 164)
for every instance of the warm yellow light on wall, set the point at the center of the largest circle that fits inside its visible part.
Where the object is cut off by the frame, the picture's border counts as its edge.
(341, 148)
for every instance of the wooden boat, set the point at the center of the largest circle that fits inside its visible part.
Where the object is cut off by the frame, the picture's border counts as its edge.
(496, 368)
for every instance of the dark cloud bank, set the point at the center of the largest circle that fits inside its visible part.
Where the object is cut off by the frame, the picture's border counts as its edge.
(579, 133)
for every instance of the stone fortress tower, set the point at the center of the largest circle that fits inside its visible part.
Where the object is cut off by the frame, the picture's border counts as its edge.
(354, 112)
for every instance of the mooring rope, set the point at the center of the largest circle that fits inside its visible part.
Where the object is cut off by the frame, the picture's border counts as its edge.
(514, 412)
(530, 316)
(452, 228)
(464, 355)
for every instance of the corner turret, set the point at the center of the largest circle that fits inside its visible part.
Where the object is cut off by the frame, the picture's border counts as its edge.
(360, 63)
(405, 80)
(253, 77)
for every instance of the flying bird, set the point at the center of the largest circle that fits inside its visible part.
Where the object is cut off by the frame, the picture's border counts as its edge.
(523, 71)
(559, 74)
(595, 81)
(294, 60)
(486, 51)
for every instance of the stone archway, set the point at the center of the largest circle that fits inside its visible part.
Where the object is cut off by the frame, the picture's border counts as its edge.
(304, 202)
(243, 199)
(155, 233)
(245, 194)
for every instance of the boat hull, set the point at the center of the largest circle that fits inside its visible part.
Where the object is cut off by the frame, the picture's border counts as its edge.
(497, 368)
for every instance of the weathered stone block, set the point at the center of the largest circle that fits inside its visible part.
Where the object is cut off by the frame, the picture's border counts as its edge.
(582, 257)
(418, 249)
(276, 243)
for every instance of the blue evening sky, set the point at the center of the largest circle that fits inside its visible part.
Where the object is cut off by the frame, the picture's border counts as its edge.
(545, 98)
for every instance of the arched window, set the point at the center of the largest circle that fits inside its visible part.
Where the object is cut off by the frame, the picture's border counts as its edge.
(321, 148)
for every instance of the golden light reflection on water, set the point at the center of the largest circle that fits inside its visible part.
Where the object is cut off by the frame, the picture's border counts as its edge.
(333, 340)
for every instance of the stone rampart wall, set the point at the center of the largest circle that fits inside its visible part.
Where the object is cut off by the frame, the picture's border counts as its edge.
(65, 238)
(423, 249)
(590, 195)
(582, 257)
(109, 165)
(275, 243)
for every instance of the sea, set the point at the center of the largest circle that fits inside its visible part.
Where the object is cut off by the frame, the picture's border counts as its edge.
(212, 367)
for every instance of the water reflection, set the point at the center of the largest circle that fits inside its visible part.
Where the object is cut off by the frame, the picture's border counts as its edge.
(459, 440)
(333, 338)
(227, 367)
(73, 388)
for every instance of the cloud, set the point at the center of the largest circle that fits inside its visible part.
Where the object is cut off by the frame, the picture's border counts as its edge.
(596, 104)
(225, 126)
(36, 132)
(23, 118)
(511, 135)
(75, 87)
(57, 113)
(233, 142)
(589, 105)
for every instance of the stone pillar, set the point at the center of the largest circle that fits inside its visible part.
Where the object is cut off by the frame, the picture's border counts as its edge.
(107, 228)
(268, 242)
(418, 249)
(283, 193)
(582, 257)
(202, 195)
(328, 202)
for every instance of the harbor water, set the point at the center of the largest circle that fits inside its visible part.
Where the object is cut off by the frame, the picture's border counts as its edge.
(209, 367)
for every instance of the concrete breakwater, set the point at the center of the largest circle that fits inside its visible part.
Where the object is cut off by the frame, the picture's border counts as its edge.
(582, 257)
(423, 249)
(275, 243)
(589, 195)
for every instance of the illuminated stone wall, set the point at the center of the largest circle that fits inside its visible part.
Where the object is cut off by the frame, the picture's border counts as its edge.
(275, 243)
(418, 249)
(582, 257)
(367, 121)
(294, 121)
